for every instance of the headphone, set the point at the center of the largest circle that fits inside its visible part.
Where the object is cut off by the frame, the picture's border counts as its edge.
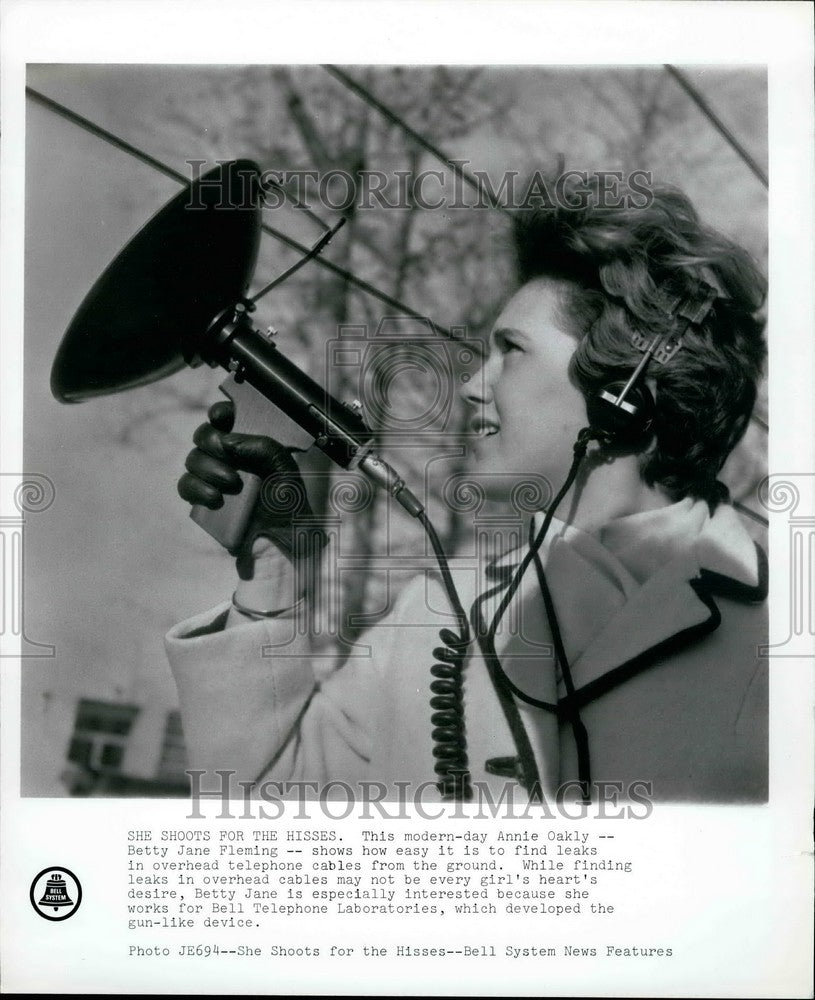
(622, 412)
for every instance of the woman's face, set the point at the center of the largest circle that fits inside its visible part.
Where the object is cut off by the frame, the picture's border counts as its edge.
(526, 412)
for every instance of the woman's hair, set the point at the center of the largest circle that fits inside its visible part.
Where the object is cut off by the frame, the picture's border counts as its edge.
(622, 267)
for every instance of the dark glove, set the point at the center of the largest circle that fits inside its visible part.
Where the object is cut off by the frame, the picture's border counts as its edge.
(212, 470)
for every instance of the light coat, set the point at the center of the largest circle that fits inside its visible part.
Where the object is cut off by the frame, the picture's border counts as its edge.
(662, 618)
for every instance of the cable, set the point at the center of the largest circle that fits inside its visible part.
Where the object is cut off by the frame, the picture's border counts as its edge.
(316, 249)
(748, 512)
(717, 123)
(571, 711)
(301, 205)
(580, 447)
(486, 636)
(417, 137)
(449, 739)
(102, 133)
(163, 168)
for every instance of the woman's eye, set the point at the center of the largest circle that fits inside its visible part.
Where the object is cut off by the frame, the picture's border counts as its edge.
(509, 345)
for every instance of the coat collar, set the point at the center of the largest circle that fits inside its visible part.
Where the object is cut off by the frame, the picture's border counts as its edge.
(682, 557)
(666, 565)
(650, 540)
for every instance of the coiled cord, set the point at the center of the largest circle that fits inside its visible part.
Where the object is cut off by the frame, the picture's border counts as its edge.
(449, 737)
(449, 741)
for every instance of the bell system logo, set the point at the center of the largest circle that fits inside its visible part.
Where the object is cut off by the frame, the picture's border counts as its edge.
(56, 893)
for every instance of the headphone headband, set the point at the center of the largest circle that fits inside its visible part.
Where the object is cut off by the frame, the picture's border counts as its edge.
(693, 308)
(622, 412)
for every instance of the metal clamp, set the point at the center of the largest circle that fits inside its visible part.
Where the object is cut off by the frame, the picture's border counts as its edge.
(693, 310)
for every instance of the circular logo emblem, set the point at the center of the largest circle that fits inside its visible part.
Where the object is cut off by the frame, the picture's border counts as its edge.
(56, 893)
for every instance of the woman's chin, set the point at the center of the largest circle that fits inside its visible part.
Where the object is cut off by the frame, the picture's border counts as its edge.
(498, 484)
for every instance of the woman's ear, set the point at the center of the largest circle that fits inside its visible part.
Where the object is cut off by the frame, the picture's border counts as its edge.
(622, 416)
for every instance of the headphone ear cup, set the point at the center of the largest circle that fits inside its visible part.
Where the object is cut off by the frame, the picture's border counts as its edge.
(626, 424)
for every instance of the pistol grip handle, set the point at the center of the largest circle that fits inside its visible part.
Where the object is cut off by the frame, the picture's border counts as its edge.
(254, 414)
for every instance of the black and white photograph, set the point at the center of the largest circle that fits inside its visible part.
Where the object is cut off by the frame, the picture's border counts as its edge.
(399, 506)
(551, 304)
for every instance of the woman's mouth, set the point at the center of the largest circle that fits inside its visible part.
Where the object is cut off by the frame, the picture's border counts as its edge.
(483, 427)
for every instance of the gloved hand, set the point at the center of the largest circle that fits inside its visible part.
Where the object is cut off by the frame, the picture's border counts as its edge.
(212, 470)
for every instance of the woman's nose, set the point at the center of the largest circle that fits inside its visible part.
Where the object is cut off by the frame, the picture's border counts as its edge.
(476, 387)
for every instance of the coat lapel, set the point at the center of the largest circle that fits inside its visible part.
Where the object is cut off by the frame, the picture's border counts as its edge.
(654, 587)
(672, 610)
(675, 606)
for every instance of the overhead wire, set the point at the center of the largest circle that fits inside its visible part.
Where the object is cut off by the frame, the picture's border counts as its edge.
(747, 158)
(127, 147)
(701, 102)
(388, 113)
(315, 250)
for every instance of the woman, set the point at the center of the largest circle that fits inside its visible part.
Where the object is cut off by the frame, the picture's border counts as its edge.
(637, 655)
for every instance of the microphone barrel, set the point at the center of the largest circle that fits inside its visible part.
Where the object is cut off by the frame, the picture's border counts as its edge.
(337, 429)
